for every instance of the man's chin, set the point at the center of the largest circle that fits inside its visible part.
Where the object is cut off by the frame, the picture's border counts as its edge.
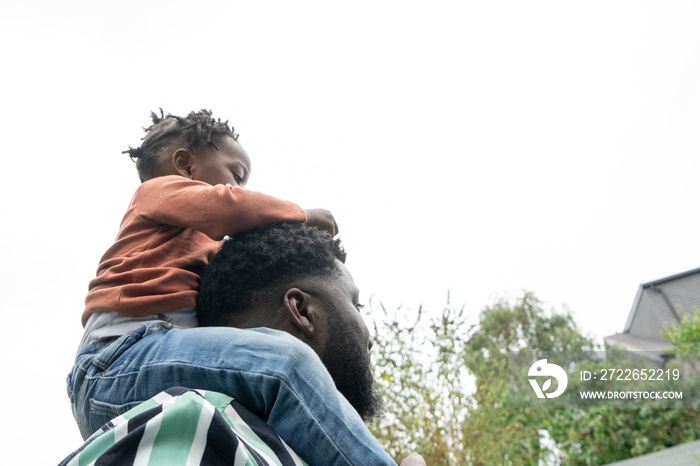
(374, 407)
(357, 386)
(363, 396)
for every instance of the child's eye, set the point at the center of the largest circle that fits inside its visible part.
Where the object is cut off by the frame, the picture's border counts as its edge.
(359, 307)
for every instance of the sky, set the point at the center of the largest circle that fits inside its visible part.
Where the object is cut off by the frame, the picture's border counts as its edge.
(479, 149)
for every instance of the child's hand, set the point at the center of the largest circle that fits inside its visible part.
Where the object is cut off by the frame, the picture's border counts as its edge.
(322, 219)
(414, 459)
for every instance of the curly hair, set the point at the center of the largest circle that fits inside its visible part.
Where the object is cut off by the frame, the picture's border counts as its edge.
(197, 130)
(259, 260)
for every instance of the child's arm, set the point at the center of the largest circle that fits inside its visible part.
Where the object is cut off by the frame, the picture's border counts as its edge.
(220, 210)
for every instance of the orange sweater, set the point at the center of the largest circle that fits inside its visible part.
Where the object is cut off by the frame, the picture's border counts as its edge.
(170, 230)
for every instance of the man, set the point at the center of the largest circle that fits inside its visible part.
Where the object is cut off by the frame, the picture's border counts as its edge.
(291, 279)
(286, 283)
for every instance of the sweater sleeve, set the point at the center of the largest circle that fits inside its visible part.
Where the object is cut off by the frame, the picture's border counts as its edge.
(216, 211)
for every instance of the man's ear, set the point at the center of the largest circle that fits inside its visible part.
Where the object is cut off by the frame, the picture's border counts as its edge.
(182, 162)
(300, 311)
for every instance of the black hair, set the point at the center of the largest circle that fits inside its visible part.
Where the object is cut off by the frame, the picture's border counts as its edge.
(262, 259)
(198, 130)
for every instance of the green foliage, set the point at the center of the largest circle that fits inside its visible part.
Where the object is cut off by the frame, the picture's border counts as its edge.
(514, 434)
(685, 336)
(419, 372)
(603, 435)
(445, 383)
(435, 407)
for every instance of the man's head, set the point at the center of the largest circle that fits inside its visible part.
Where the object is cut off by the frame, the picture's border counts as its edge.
(292, 277)
(196, 146)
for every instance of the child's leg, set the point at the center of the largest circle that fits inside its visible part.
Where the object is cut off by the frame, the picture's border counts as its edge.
(273, 374)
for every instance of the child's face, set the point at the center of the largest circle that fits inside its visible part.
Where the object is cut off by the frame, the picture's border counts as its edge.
(230, 164)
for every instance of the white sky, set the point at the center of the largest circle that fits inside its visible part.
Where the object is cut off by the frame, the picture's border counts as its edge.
(480, 147)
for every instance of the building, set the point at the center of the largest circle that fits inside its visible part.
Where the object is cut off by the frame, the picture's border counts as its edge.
(658, 305)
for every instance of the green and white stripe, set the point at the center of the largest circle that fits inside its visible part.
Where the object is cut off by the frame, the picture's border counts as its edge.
(175, 430)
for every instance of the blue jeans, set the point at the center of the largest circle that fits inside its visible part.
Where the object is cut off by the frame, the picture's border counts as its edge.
(272, 373)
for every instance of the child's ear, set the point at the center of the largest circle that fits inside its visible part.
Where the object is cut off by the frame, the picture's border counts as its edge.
(182, 162)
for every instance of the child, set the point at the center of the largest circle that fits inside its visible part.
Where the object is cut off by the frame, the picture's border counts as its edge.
(193, 171)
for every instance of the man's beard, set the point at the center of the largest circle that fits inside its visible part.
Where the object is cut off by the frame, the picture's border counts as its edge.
(347, 360)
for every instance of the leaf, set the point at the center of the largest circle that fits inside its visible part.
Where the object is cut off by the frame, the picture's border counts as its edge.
(546, 385)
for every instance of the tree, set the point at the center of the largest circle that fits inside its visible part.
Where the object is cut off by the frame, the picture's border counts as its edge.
(502, 434)
(426, 371)
(446, 387)
(606, 434)
(685, 336)
(423, 381)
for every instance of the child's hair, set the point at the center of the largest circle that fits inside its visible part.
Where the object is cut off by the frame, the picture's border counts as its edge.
(198, 130)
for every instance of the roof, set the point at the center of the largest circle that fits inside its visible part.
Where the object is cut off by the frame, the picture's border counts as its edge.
(654, 350)
(635, 343)
(673, 277)
(680, 455)
(684, 286)
(657, 305)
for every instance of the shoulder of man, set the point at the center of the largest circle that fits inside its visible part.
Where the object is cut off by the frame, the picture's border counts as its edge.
(183, 426)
